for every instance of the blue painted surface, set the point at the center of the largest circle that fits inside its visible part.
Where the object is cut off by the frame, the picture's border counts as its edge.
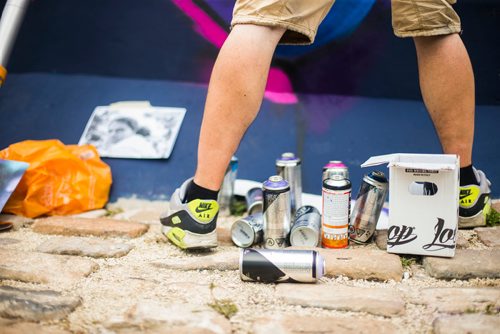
(319, 128)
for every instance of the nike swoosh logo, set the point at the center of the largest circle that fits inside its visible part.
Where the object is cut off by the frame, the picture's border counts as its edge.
(463, 196)
(199, 210)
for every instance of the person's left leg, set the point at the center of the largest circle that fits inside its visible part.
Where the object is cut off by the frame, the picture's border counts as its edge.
(447, 86)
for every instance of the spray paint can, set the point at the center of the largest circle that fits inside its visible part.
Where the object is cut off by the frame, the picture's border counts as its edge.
(227, 189)
(276, 208)
(369, 203)
(248, 231)
(273, 266)
(288, 166)
(335, 167)
(336, 206)
(306, 230)
(255, 200)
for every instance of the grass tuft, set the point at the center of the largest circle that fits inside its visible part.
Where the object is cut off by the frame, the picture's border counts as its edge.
(493, 218)
(407, 261)
(226, 307)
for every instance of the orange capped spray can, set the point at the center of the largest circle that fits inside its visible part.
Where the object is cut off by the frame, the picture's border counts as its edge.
(336, 195)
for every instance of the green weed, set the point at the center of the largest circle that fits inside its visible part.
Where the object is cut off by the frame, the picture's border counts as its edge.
(226, 307)
(493, 218)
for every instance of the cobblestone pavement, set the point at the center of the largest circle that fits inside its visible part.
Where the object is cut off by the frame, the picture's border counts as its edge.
(96, 274)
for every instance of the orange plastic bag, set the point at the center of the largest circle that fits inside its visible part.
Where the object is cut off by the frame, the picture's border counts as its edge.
(60, 180)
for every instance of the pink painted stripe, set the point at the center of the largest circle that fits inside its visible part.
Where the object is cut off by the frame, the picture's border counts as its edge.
(205, 26)
(278, 89)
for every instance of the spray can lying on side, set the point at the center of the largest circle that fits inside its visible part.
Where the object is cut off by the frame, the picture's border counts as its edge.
(275, 266)
(248, 231)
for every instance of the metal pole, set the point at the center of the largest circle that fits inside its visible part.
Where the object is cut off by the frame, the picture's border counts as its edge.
(12, 17)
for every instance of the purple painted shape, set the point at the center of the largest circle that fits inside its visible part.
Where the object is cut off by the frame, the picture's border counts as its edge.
(323, 110)
(278, 89)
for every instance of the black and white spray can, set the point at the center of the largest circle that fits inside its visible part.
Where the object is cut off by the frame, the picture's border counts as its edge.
(277, 218)
(273, 266)
(288, 166)
(248, 231)
(369, 203)
(306, 230)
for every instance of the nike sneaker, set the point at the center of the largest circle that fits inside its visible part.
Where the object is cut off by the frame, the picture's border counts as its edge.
(475, 202)
(190, 225)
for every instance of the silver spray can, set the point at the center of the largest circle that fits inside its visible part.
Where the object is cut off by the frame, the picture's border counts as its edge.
(255, 200)
(274, 266)
(369, 203)
(227, 189)
(288, 166)
(335, 167)
(336, 207)
(277, 218)
(248, 231)
(306, 230)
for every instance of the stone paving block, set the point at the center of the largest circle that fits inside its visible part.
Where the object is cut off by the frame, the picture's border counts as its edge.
(9, 326)
(44, 268)
(378, 301)
(459, 300)
(362, 263)
(147, 216)
(289, 324)
(84, 247)
(152, 317)
(490, 236)
(8, 241)
(91, 214)
(495, 204)
(32, 305)
(99, 227)
(381, 239)
(462, 241)
(467, 323)
(467, 263)
(224, 236)
(17, 221)
(213, 260)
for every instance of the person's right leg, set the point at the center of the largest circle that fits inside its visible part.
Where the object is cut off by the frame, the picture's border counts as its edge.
(234, 97)
(235, 94)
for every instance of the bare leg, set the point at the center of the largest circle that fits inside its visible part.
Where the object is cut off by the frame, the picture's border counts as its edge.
(447, 85)
(235, 94)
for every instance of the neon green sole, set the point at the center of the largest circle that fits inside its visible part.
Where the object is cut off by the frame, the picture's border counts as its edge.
(176, 236)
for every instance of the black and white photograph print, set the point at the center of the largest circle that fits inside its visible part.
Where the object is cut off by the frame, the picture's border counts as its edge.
(139, 133)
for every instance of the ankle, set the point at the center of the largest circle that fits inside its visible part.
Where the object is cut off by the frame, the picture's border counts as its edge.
(195, 191)
(467, 176)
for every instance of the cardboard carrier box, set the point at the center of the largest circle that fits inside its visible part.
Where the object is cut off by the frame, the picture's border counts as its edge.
(423, 202)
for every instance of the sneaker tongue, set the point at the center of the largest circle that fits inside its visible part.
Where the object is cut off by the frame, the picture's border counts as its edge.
(182, 190)
(476, 174)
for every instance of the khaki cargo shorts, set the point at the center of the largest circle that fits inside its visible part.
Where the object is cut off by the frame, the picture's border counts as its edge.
(301, 18)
